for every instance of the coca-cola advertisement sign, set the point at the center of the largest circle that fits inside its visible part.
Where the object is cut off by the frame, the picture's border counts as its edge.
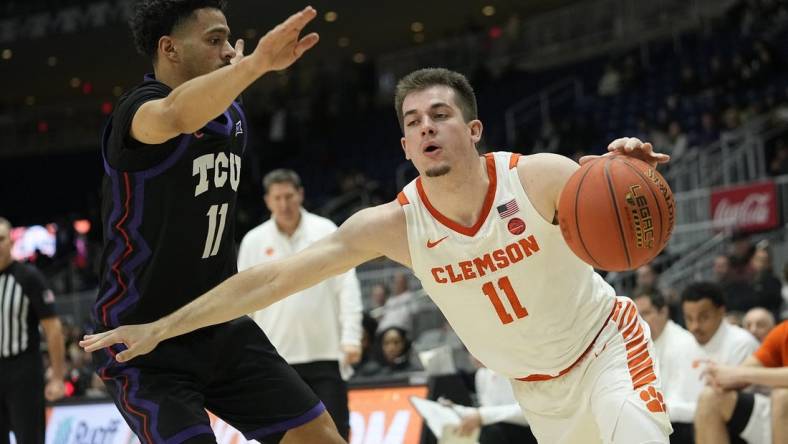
(750, 207)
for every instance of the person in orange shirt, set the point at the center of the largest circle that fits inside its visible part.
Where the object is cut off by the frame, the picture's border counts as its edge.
(725, 411)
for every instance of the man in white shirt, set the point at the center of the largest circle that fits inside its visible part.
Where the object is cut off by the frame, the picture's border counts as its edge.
(317, 331)
(676, 351)
(703, 305)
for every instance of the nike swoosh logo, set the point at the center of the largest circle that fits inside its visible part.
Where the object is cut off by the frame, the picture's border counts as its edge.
(431, 244)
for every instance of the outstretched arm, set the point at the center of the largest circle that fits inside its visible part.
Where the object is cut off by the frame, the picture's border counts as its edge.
(195, 102)
(366, 235)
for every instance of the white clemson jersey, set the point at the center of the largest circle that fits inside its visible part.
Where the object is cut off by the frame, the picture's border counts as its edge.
(511, 288)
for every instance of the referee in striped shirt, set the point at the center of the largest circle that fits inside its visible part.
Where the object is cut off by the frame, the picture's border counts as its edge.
(26, 301)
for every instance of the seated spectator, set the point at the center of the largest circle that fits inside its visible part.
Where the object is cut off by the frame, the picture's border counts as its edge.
(766, 287)
(499, 415)
(400, 308)
(393, 354)
(646, 277)
(676, 349)
(725, 412)
(369, 325)
(741, 250)
(721, 269)
(759, 322)
(677, 141)
(778, 165)
(378, 296)
(708, 133)
(610, 82)
(704, 309)
(631, 73)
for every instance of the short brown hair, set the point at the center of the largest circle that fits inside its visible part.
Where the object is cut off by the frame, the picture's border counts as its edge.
(281, 175)
(424, 78)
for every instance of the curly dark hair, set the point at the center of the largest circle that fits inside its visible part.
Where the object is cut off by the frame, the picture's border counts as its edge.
(152, 19)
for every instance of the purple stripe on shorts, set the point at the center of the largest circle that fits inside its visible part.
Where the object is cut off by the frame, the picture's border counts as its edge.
(153, 409)
(132, 420)
(199, 429)
(292, 423)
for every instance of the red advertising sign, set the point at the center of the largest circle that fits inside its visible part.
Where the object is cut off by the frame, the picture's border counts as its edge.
(751, 207)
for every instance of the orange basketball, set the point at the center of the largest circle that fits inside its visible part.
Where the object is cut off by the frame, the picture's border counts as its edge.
(616, 213)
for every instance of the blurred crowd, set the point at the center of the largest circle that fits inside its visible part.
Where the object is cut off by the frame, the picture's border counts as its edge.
(698, 99)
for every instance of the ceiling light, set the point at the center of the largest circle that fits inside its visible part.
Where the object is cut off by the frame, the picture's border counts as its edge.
(359, 57)
(488, 10)
(330, 16)
(75, 82)
(417, 26)
(7, 54)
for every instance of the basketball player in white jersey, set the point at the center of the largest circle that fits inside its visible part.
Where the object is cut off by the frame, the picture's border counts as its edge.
(481, 235)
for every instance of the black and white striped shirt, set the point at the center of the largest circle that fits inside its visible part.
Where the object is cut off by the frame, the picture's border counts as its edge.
(25, 299)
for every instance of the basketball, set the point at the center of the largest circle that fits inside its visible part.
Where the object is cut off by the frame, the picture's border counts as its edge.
(616, 213)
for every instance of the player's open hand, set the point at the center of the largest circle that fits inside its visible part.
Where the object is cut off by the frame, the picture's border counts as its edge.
(282, 46)
(138, 339)
(632, 146)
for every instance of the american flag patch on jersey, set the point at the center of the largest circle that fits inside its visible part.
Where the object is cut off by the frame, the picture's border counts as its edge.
(508, 209)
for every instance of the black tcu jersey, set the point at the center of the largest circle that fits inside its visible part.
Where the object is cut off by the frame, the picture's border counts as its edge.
(169, 221)
(168, 213)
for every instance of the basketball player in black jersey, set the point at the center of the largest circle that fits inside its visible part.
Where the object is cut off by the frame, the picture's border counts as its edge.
(172, 156)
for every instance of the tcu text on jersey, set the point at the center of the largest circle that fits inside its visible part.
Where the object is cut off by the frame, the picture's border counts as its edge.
(221, 164)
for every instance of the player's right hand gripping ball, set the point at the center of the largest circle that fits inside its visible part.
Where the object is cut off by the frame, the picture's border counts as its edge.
(616, 213)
